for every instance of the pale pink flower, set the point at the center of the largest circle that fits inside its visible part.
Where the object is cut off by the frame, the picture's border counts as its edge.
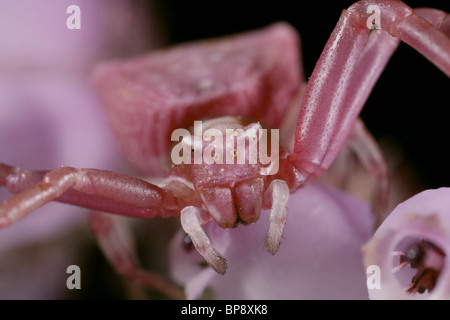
(319, 257)
(410, 249)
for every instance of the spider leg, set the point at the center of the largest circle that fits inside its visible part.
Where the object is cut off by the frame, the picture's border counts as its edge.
(192, 219)
(276, 196)
(90, 188)
(438, 18)
(361, 151)
(369, 154)
(426, 30)
(116, 243)
(346, 72)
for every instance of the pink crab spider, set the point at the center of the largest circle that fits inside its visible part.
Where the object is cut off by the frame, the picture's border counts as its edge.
(247, 79)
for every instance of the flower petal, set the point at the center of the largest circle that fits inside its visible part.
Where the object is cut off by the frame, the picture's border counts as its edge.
(319, 256)
(426, 216)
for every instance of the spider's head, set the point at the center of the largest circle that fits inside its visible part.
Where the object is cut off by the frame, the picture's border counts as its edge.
(228, 160)
(225, 151)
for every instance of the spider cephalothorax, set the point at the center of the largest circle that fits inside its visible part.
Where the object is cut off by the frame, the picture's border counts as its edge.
(227, 168)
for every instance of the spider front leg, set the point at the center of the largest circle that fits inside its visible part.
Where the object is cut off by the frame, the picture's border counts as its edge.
(192, 219)
(276, 198)
(90, 188)
(346, 72)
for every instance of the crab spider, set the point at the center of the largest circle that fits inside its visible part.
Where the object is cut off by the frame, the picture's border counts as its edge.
(243, 73)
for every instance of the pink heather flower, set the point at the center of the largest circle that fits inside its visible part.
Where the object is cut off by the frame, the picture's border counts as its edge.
(319, 257)
(50, 116)
(410, 248)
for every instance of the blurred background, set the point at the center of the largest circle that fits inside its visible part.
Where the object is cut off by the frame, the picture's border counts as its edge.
(49, 116)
